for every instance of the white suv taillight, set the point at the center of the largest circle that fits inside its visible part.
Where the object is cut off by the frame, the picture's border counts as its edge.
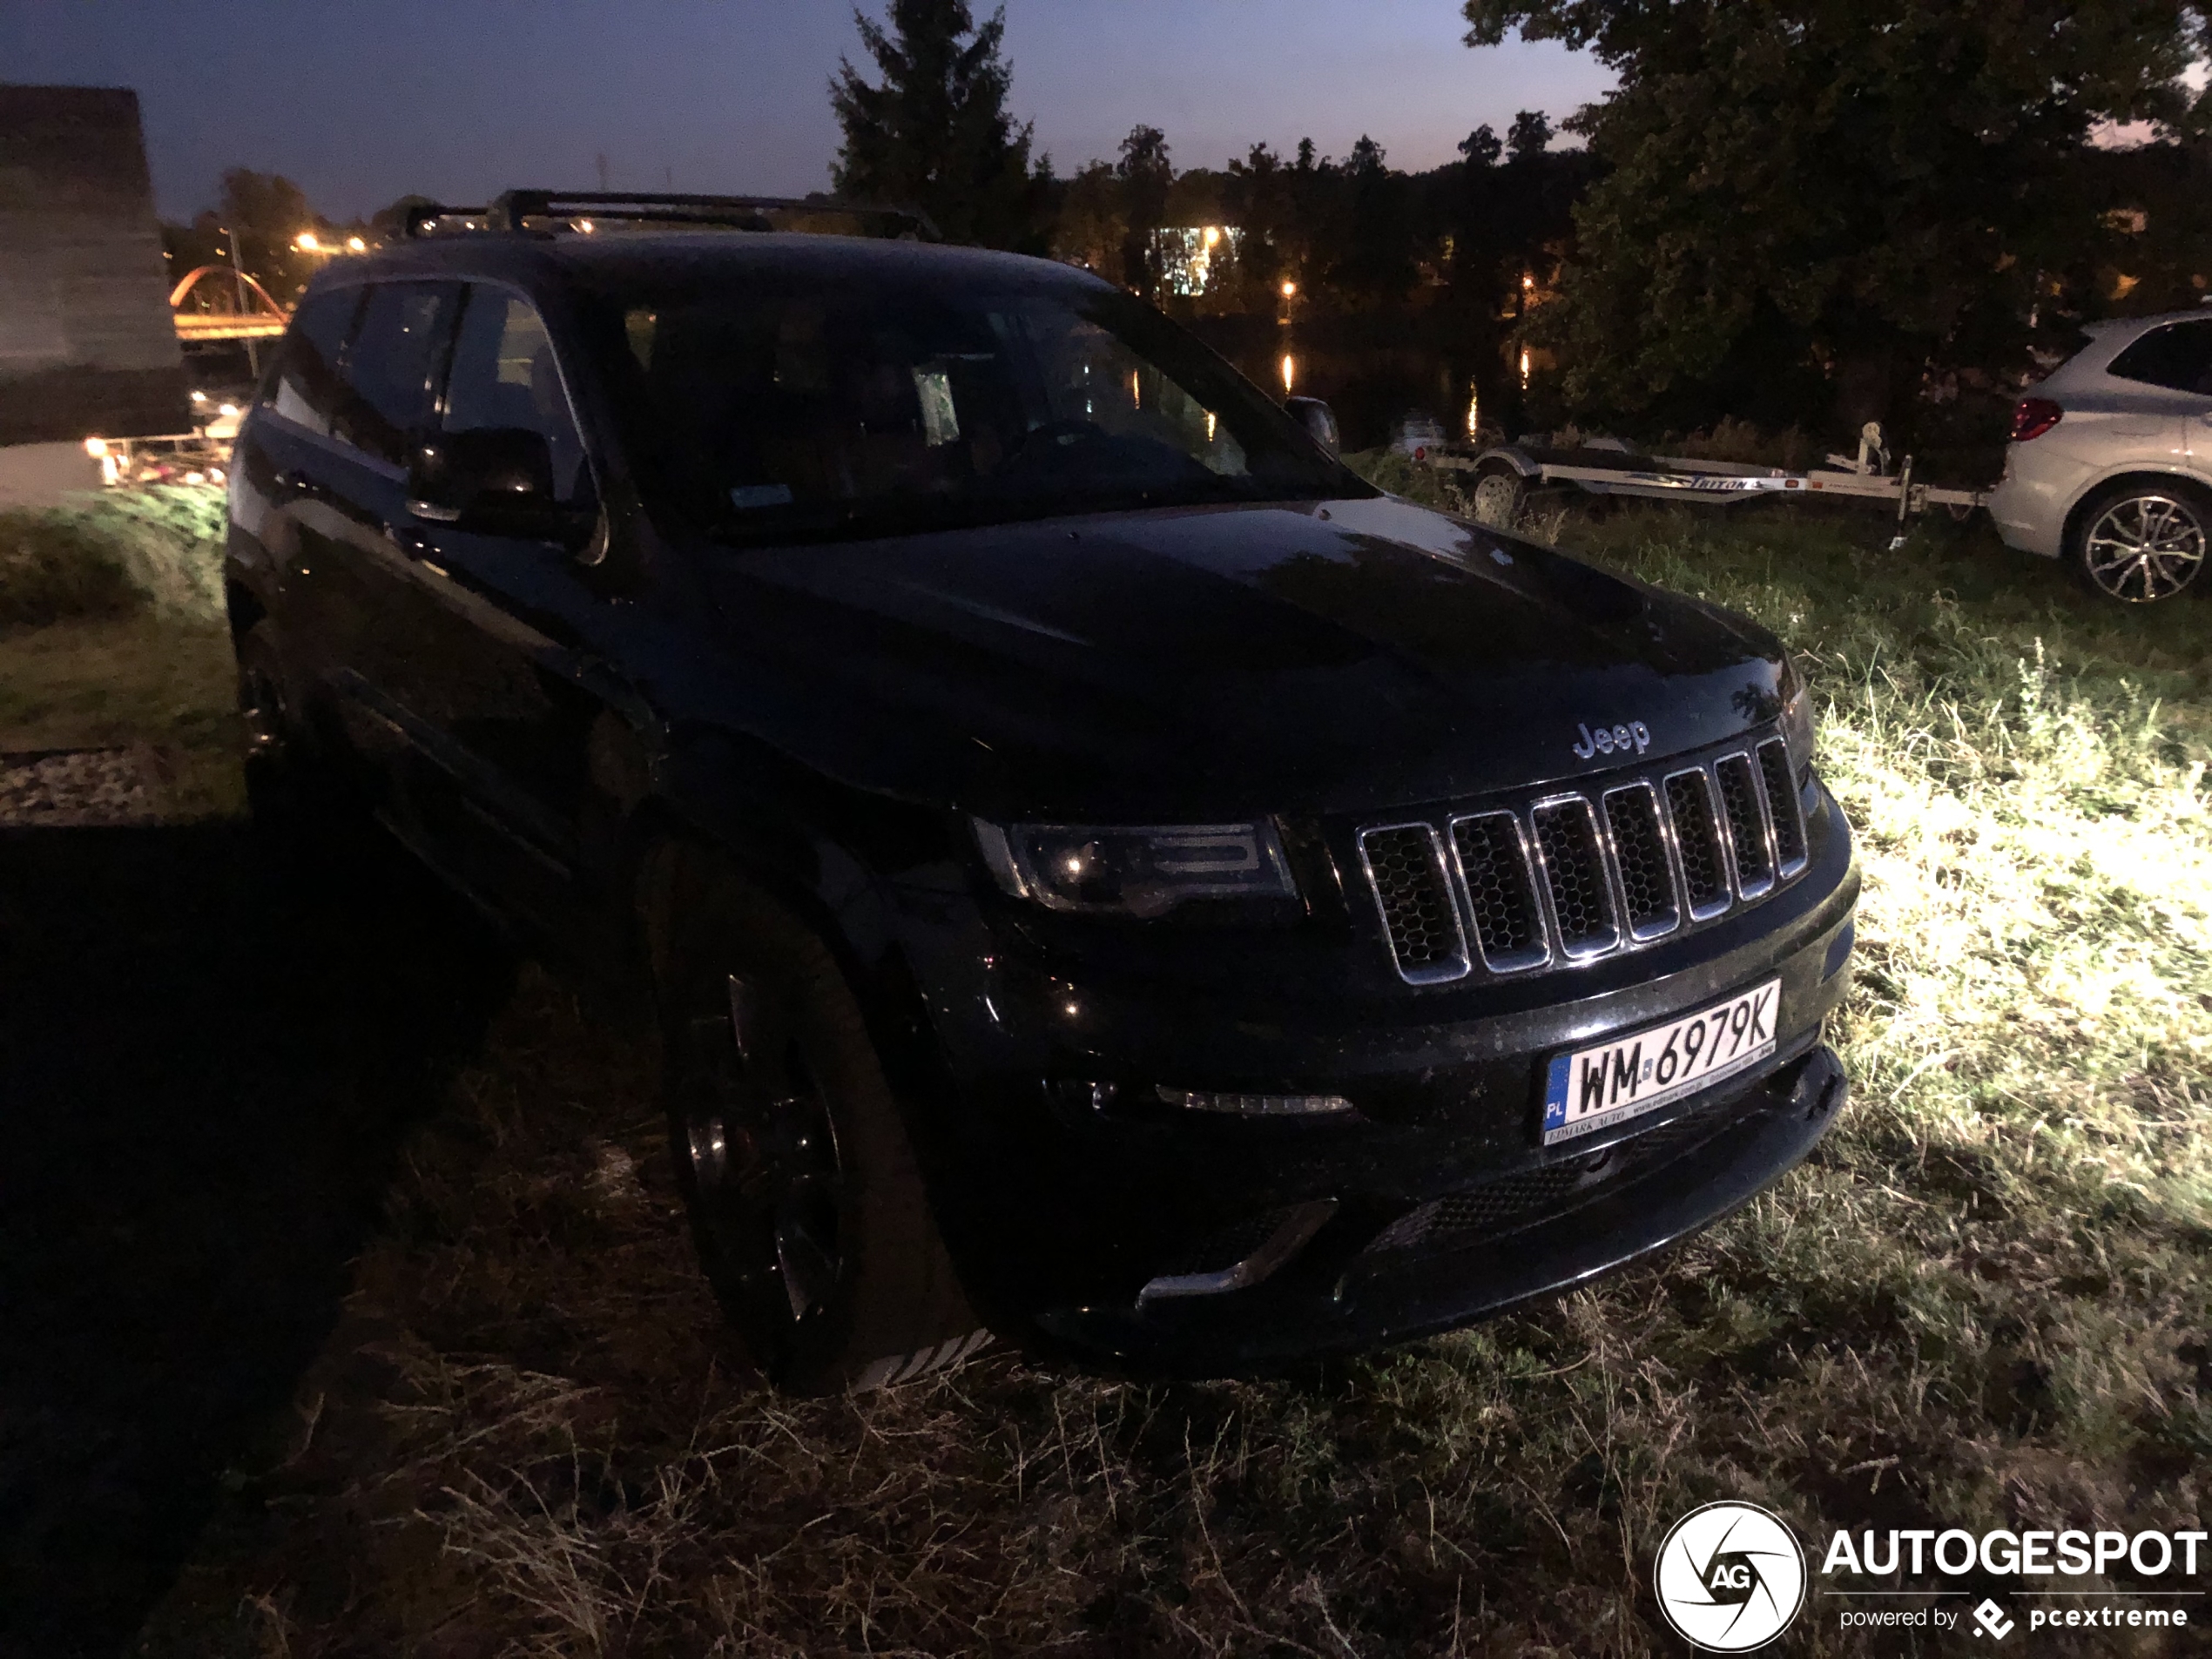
(2032, 417)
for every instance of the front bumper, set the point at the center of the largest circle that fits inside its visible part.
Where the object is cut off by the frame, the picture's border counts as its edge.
(1350, 1289)
(1066, 1189)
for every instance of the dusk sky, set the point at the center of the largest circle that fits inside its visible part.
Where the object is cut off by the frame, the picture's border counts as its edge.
(459, 99)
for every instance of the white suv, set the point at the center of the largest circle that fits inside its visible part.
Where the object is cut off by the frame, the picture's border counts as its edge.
(2110, 465)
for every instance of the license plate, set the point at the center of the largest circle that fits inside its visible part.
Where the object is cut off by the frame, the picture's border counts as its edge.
(1590, 1088)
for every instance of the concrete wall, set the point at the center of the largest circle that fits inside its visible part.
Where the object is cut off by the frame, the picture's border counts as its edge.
(86, 342)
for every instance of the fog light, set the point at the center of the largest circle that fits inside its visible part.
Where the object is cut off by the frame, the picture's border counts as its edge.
(1201, 1100)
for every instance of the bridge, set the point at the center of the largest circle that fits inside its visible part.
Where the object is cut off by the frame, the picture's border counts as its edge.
(263, 322)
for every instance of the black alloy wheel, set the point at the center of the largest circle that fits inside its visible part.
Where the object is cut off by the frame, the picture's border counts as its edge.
(813, 1221)
(263, 710)
(285, 785)
(761, 1162)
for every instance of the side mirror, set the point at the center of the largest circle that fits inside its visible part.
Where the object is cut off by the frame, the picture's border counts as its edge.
(493, 480)
(1318, 419)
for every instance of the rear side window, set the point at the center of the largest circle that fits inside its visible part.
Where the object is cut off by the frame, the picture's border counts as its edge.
(305, 387)
(2178, 357)
(391, 369)
(505, 374)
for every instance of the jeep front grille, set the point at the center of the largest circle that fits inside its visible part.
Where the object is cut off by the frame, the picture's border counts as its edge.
(1697, 843)
(1502, 899)
(1571, 877)
(1405, 867)
(1747, 830)
(1573, 859)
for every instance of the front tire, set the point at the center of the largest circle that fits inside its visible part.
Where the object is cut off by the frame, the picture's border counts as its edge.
(279, 783)
(806, 1202)
(2143, 542)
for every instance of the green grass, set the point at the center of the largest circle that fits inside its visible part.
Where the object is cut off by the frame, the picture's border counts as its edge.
(1983, 1303)
(113, 634)
(113, 553)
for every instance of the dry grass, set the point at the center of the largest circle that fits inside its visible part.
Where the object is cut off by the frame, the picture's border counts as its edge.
(1985, 1301)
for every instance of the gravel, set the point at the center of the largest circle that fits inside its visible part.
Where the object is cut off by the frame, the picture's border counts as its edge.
(82, 788)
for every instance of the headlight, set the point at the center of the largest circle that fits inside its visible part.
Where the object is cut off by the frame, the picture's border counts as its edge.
(1797, 720)
(1140, 871)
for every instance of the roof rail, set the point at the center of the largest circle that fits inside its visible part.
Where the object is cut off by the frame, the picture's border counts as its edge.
(512, 210)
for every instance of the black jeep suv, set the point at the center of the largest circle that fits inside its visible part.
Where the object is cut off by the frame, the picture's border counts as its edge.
(1103, 872)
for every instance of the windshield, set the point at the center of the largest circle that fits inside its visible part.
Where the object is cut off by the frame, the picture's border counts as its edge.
(769, 415)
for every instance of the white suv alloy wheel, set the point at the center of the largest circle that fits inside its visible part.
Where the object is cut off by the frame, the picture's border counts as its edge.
(2144, 548)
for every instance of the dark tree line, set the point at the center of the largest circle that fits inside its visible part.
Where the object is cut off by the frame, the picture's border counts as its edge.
(1393, 286)
(1810, 212)
(1857, 207)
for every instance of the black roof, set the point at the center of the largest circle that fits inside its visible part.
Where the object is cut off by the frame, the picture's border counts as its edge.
(619, 260)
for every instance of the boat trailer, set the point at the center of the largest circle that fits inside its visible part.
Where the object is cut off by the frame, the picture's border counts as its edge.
(1504, 474)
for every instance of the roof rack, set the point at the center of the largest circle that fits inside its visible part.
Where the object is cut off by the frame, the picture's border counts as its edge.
(558, 210)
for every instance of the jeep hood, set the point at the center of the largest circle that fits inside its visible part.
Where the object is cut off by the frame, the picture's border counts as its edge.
(1217, 663)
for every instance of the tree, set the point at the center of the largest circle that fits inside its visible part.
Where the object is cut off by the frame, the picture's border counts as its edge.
(935, 134)
(1529, 136)
(1092, 226)
(1859, 192)
(1374, 256)
(1257, 201)
(264, 213)
(1146, 171)
(1482, 147)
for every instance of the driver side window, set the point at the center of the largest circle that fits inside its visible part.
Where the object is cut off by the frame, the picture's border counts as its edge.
(506, 373)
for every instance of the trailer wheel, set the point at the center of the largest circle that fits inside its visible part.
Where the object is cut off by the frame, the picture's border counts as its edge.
(1499, 495)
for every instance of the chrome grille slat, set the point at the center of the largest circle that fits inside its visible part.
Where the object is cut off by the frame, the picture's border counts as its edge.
(1413, 889)
(1703, 860)
(1750, 840)
(1577, 875)
(1648, 898)
(1783, 810)
(1500, 886)
(1573, 856)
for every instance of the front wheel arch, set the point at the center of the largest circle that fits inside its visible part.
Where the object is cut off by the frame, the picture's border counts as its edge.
(898, 1308)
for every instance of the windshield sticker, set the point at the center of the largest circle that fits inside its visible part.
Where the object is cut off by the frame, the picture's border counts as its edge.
(750, 497)
(940, 420)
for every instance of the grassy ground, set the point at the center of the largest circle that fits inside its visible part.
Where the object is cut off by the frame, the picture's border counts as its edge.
(1984, 1303)
(111, 634)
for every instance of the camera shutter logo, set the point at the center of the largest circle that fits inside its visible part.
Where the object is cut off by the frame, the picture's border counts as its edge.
(1730, 1577)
